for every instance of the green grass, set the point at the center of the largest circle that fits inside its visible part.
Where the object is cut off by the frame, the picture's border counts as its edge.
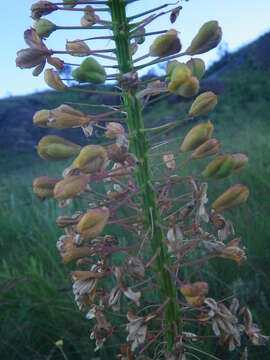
(36, 306)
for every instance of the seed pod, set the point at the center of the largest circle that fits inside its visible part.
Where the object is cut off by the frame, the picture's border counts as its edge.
(71, 186)
(180, 75)
(41, 118)
(65, 117)
(44, 27)
(69, 3)
(93, 223)
(70, 252)
(197, 67)
(77, 48)
(195, 293)
(240, 161)
(189, 88)
(171, 65)
(208, 37)
(165, 45)
(53, 80)
(234, 196)
(116, 153)
(208, 148)
(197, 136)
(90, 71)
(43, 186)
(53, 147)
(219, 168)
(42, 8)
(92, 158)
(203, 104)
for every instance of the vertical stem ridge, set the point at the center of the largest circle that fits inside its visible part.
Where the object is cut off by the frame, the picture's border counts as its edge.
(139, 147)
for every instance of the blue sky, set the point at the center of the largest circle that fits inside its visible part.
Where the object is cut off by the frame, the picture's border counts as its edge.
(241, 21)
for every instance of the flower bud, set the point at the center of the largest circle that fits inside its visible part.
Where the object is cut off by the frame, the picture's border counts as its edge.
(189, 88)
(44, 27)
(208, 37)
(53, 147)
(197, 67)
(77, 48)
(93, 223)
(90, 71)
(240, 161)
(91, 159)
(41, 118)
(208, 148)
(42, 8)
(179, 75)
(71, 186)
(28, 58)
(114, 129)
(165, 45)
(203, 104)
(234, 196)
(65, 117)
(197, 136)
(43, 186)
(53, 80)
(69, 3)
(195, 293)
(219, 168)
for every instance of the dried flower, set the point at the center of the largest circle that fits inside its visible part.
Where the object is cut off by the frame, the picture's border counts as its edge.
(197, 67)
(43, 186)
(90, 71)
(93, 223)
(168, 158)
(203, 104)
(236, 195)
(53, 80)
(253, 331)
(135, 266)
(195, 293)
(91, 159)
(175, 13)
(137, 330)
(197, 136)
(42, 8)
(114, 129)
(70, 251)
(208, 37)
(53, 147)
(165, 45)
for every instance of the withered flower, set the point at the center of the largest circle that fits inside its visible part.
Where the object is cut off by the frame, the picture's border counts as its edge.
(252, 330)
(102, 330)
(42, 8)
(168, 158)
(137, 330)
(69, 251)
(195, 293)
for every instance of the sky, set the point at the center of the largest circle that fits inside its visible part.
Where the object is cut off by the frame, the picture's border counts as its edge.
(242, 21)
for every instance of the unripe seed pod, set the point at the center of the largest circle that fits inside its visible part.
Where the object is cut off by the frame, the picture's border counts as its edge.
(53, 147)
(71, 186)
(240, 161)
(189, 88)
(77, 48)
(198, 135)
(208, 148)
(93, 223)
(165, 45)
(219, 168)
(42, 8)
(197, 67)
(43, 186)
(171, 65)
(65, 117)
(203, 104)
(90, 71)
(92, 158)
(44, 27)
(69, 3)
(180, 75)
(41, 118)
(53, 80)
(234, 196)
(208, 37)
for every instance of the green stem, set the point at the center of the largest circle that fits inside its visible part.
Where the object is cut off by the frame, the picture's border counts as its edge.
(140, 147)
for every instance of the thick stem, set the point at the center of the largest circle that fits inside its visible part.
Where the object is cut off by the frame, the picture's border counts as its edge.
(139, 147)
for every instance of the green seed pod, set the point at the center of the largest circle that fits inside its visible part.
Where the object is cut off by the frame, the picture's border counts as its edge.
(208, 37)
(44, 27)
(197, 67)
(236, 195)
(190, 88)
(171, 65)
(93, 223)
(77, 48)
(219, 168)
(197, 136)
(42, 8)
(69, 3)
(90, 71)
(43, 186)
(41, 118)
(208, 148)
(91, 159)
(165, 45)
(71, 186)
(179, 75)
(53, 147)
(53, 80)
(65, 117)
(203, 104)
(240, 161)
